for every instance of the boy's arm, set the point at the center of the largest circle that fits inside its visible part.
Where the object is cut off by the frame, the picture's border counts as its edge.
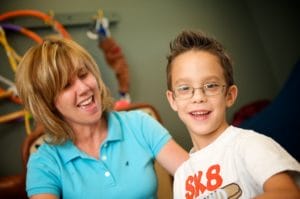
(280, 186)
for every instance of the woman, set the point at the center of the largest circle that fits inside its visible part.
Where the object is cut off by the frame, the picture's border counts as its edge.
(91, 151)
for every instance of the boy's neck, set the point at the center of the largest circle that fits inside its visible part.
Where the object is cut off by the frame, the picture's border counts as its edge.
(201, 141)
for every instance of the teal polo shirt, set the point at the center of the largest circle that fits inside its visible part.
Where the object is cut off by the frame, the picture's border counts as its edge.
(123, 170)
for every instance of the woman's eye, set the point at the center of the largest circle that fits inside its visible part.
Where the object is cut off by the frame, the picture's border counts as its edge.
(67, 85)
(82, 74)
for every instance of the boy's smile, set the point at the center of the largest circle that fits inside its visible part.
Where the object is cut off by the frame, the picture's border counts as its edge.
(200, 115)
(204, 116)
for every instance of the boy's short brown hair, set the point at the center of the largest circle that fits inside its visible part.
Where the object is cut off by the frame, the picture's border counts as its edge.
(192, 40)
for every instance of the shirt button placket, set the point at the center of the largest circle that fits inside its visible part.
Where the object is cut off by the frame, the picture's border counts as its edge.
(104, 157)
(107, 173)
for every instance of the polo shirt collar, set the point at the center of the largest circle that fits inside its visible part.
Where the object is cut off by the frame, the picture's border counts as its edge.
(68, 151)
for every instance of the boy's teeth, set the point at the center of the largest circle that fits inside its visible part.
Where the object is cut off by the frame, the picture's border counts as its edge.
(86, 102)
(199, 113)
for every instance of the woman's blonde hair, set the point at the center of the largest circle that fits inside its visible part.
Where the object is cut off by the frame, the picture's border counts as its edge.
(44, 71)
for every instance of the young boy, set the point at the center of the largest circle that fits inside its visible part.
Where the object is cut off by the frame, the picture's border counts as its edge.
(225, 161)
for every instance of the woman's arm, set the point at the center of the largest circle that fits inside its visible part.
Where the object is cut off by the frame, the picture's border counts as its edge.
(44, 196)
(280, 186)
(171, 156)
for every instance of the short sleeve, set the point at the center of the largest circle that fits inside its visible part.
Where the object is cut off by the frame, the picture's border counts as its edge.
(153, 133)
(42, 174)
(264, 157)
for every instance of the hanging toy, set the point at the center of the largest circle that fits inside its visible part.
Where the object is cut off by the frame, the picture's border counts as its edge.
(113, 56)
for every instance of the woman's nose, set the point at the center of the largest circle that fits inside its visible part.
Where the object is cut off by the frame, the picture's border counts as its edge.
(80, 86)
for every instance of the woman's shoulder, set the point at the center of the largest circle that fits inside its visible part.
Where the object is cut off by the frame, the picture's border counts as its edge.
(130, 117)
(46, 153)
(44, 150)
(129, 114)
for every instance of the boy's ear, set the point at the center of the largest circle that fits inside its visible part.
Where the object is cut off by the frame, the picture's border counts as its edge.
(171, 100)
(231, 95)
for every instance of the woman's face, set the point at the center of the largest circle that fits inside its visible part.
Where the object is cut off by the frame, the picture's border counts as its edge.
(79, 102)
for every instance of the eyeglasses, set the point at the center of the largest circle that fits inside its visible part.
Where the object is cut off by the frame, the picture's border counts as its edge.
(208, 89)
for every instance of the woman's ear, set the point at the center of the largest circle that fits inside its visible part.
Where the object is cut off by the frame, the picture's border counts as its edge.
(171, 100)
(231, 96)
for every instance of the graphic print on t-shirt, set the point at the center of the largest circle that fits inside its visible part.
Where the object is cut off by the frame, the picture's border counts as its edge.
(195, 188)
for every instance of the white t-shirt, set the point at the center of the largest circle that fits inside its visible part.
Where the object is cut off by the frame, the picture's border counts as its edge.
(241, 160)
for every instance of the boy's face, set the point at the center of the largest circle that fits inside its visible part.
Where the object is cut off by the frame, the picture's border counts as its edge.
(204, 116)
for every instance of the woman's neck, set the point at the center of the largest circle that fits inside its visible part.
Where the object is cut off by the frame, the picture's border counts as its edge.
(89, 138)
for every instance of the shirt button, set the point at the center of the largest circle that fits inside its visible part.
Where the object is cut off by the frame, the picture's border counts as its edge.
(107, 174)
(104, 157)
(105, 145)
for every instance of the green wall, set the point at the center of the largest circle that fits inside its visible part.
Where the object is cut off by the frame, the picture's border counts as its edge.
(144, 30)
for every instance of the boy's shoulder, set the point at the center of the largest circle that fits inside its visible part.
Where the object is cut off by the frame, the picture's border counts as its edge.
(239, 143)
(245, 137)
(241, 149)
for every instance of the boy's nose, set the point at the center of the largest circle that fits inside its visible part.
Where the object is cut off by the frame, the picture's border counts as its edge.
(199, 94)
